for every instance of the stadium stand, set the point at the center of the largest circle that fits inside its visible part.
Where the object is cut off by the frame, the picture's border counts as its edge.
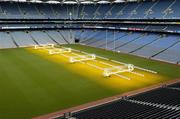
(138, 43)
(158, 9)
(177, 85)
(6, 40)
(168, 97)
(40, 37)
(13, 39)
(171, 54)
(150, 45)
(56, 36)
(28, 11)
(23, 24)
(161, 103)
(22, 38)
(156, 47)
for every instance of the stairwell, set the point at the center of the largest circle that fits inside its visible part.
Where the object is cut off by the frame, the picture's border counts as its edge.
(166, 12)
(150, 9)
(63, 37)
(16, 44)
(51, 38)
(33, 39)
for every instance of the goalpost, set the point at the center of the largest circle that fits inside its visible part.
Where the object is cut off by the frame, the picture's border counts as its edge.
(118, 69)
(82, 58)
(59, 50)
(44, 46)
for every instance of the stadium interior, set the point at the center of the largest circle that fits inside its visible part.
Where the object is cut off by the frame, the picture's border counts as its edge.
(145, 32)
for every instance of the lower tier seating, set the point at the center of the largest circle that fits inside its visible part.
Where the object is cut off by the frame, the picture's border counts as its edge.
(164, 47)
(13, 39)
(162, 103)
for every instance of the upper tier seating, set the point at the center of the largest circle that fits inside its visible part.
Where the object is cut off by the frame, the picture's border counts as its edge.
(158, 9)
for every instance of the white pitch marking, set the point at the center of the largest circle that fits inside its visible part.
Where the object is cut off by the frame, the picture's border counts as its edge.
(97, 67)
(129, 72)
(106, 63)
(136, 67)
(117, 62)
(65, 55)
(121, 76)
(82, 62)
(76, 50)
(76, 54)
(85, 53)
(94, 66)
(102, 58)
(137, 74)
(88, 53)
(146, 70)
(111, 65)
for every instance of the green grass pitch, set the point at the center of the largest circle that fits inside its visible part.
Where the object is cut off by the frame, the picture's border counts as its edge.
(31, 85)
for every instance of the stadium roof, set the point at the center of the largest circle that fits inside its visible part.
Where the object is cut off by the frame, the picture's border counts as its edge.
(72, 1)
